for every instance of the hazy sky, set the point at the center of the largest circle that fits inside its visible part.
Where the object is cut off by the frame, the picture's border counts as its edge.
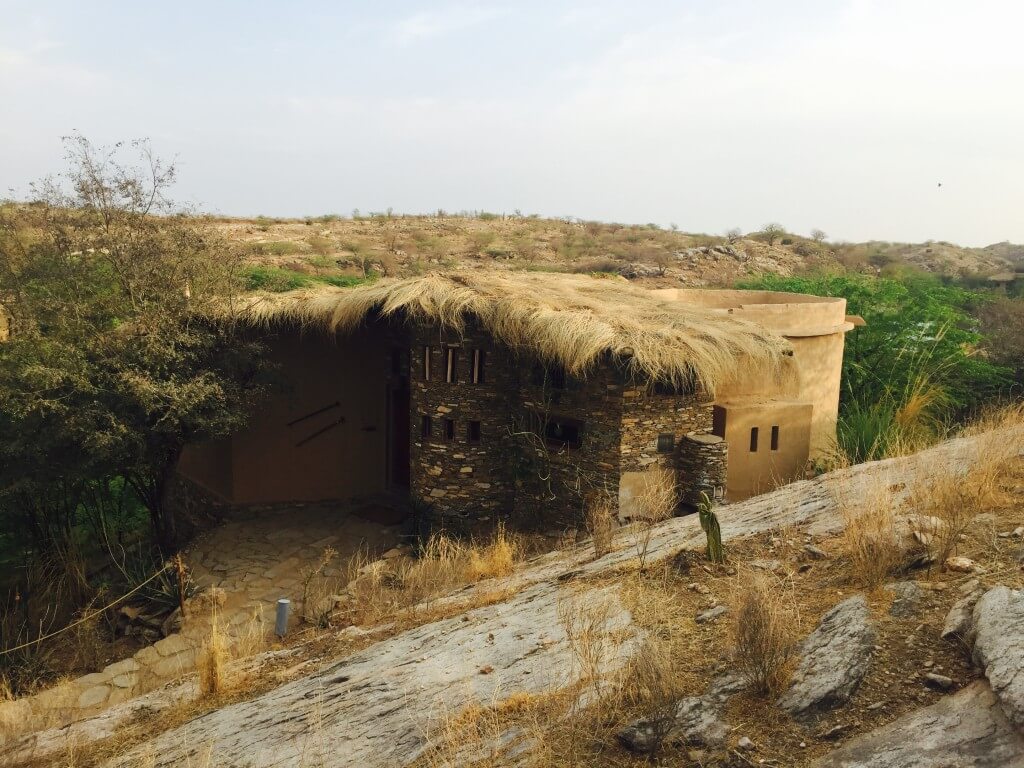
(838, 114)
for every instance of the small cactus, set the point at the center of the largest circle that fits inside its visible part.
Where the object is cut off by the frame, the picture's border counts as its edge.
(709, 522)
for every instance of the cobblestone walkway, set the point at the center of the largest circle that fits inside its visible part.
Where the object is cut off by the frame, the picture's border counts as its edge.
(255, 562)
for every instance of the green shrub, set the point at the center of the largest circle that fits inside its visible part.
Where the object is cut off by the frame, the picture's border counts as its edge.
(274, 279)
(276, 248)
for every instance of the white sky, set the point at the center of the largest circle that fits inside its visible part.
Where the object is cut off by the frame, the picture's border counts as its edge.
(838, 114)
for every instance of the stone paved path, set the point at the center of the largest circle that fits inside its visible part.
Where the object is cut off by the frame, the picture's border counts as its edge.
(255, 561)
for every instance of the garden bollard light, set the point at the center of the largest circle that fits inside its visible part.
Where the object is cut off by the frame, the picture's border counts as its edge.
(281, 627)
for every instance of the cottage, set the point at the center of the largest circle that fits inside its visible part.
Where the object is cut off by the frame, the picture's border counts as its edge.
(501, 395)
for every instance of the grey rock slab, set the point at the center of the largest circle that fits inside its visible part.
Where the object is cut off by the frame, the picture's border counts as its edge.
(833, 660)
(999, 647)
(381, 705)
(711, 614)
(957, 624)
(965, 730)
(697, 720)
(906, 598)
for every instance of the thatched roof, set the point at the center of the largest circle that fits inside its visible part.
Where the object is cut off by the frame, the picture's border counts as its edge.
(570, 320)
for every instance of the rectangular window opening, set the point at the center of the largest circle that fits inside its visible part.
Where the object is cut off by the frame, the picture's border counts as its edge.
(426, 363)
(775, 438)
(449, 429)
(451, 365)
(666, 442)
(426, 427)
(473, 432)
(478, 366)
(560, 432)
(753, 439)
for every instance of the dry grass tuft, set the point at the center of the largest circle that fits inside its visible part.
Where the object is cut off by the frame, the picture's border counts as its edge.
(569, 320)
(601, 524)
(870, 539)
(657, 502)
(212, 659)
(494, 558)
(378, 589)
(316, 590)
(764, 632)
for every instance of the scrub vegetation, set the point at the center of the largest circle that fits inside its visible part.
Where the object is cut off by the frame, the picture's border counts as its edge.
(929, 358)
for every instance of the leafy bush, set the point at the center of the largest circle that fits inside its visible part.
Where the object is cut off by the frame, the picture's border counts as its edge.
(915, 365)
(275, 279)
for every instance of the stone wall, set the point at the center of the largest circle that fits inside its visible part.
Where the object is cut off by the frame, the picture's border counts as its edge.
(458, 476)
(553, 480)
(702, 463)
(647, 415)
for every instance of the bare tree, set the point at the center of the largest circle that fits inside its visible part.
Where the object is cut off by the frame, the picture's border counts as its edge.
(734, 234)
(818, 235)
(771, 232)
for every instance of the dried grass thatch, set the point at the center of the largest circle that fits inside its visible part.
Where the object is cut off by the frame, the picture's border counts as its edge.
(569, 320)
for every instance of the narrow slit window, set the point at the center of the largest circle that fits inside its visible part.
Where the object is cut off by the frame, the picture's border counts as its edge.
(775, 438)
(426, 363)
(478, 366)
(753, 439)
(449, 429)
(473, 432)
(451, 365)
(426, 427)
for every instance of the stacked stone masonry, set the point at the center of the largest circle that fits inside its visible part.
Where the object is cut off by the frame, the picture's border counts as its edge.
(487, 449)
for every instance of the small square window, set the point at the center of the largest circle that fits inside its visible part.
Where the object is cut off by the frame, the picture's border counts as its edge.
(666, 442)
(473, 432)
(775, 438)
(426, 427)
(449, 429)
(753, 439)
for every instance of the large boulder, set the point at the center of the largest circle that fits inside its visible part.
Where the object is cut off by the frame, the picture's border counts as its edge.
(999, 647)
(965, 730)
(834, 659)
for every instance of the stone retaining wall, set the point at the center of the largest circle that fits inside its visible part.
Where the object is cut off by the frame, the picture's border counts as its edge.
(702, 462)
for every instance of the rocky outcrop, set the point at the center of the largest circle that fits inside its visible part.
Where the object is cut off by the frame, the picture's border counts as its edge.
(957, 625)
(834, 659)
(697, 721)
(999, 647)
(379, 706)
(362, 727)
(965, 730)
(906, 598)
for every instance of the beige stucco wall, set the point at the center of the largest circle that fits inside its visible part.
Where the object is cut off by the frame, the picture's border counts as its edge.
(753, 472)
(266, 464)
(814, 325)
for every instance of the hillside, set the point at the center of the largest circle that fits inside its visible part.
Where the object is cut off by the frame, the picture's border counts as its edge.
(336, 248)
(582, 657)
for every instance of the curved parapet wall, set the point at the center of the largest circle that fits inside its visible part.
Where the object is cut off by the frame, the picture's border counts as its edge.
(814, 325)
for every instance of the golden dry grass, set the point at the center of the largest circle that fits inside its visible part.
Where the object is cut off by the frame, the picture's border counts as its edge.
(378, 589)
(601, 524)
(870, 539)
(763, 632)
(569, 320)
(212, 658)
